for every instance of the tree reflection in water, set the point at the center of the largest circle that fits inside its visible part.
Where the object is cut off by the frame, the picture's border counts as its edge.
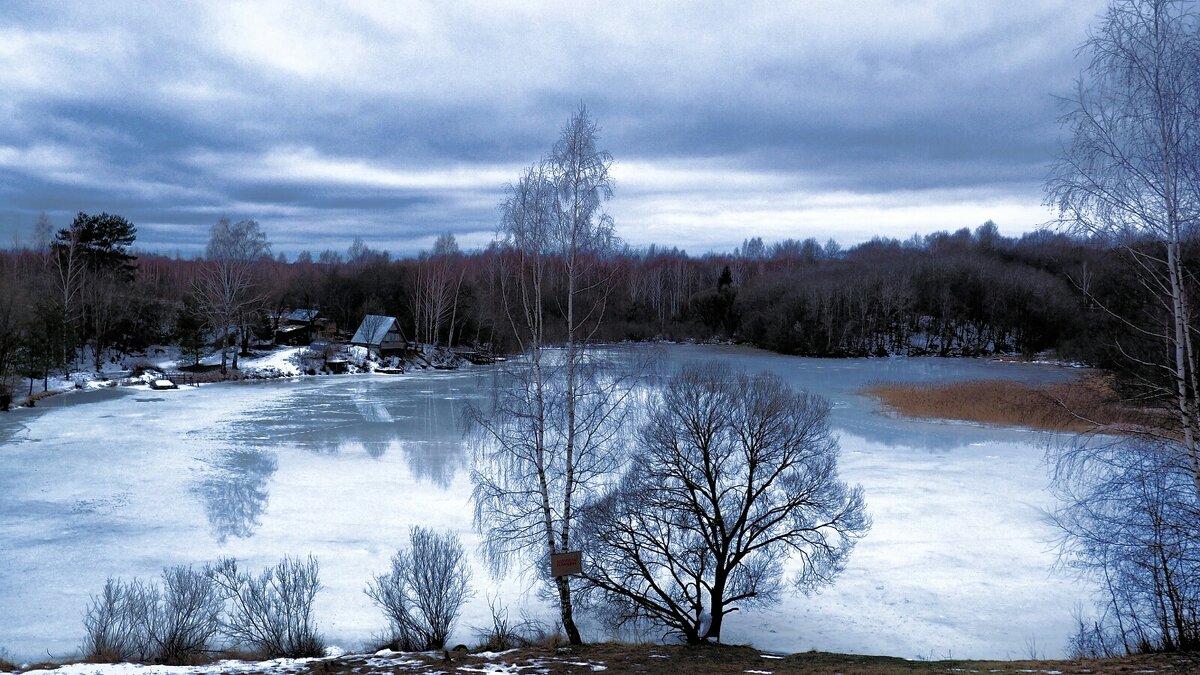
(234, 491)
(434, 444)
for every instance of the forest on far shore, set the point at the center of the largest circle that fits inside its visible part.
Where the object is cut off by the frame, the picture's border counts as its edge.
(962, 293)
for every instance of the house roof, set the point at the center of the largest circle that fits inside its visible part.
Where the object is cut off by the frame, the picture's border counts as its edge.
(373, 329)
(304, 315)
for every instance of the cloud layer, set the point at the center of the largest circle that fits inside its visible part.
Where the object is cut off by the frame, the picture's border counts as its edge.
(397, 122)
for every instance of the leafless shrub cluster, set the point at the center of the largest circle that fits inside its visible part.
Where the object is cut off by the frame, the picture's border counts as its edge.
(424, 591)
(504, 633)
(1091, 640)
(173, 623)
(272, 612)
(178, 619)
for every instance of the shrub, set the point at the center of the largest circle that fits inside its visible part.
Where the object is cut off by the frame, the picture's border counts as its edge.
(138, 621)
(424, 591)
(503, 634)
(116, 624)
(188, 617)
(1129, 514)
(142, 366)
(272, 613)
(1090, 640)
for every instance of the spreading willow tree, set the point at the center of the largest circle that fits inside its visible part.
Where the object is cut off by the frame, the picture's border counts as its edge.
(734, 477)
(1130, 509)
(548, 437)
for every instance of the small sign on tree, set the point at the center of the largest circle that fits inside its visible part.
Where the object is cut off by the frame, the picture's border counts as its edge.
(564, 564)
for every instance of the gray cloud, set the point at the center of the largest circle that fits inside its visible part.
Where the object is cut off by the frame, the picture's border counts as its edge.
(399, 121)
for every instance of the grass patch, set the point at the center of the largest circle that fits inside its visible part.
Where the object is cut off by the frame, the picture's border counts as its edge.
(654, 659)
(1084, 405)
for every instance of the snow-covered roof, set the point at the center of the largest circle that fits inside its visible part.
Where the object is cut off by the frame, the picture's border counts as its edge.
(304, 315)
(373, 329)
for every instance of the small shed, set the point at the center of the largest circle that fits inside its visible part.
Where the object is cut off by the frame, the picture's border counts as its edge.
(293, 335)
(301, 326)
(302, 317)
(381, 333)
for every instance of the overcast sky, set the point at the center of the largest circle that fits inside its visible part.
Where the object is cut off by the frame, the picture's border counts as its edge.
(396, 122)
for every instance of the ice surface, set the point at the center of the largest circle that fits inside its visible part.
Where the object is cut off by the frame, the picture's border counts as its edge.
(123, 483)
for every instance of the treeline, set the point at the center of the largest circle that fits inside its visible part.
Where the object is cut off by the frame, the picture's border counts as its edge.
(81, 295)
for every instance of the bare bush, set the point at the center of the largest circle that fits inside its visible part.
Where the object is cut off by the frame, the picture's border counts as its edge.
(505, 634)
(186, 618)
(271, 613)
(116, 624)
(424, 591)
(137, 621)
(1091, 640)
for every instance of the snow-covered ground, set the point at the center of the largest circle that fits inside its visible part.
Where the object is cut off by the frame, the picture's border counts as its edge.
(141, 369)
(122, 482)
(119, 370)
(383, 661)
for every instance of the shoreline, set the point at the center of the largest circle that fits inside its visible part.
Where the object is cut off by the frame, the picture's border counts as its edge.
(82, 382)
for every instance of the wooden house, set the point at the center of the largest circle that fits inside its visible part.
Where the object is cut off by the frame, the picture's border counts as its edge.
(381, 334)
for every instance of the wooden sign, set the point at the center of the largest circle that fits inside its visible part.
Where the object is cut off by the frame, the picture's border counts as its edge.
(563, 564)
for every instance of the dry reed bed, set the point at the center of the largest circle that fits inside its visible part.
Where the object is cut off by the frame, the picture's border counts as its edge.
(1084, 405)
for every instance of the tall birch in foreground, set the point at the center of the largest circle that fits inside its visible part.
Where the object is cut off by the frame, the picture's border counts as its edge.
(1130, 174)
(548, 435)
(1128, 508)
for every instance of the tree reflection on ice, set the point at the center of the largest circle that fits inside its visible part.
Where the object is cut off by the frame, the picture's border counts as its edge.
(234, 490)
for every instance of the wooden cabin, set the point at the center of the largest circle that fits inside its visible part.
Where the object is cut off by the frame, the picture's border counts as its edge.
(381, 334)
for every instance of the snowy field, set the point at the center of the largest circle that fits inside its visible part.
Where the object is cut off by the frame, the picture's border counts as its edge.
(122, 482)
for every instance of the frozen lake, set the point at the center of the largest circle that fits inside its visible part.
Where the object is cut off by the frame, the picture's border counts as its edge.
(123, 483)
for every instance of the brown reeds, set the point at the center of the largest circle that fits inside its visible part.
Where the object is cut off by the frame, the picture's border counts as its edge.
(1087, 404)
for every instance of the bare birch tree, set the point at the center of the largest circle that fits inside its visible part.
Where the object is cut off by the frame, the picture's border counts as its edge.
(550, 428)
(439, 276)
(226, 287)
(1130, 176)
(1130, 172)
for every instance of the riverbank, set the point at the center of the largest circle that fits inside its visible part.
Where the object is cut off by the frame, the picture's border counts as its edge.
(1087, 404)
(141, 370)
(638, 658)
